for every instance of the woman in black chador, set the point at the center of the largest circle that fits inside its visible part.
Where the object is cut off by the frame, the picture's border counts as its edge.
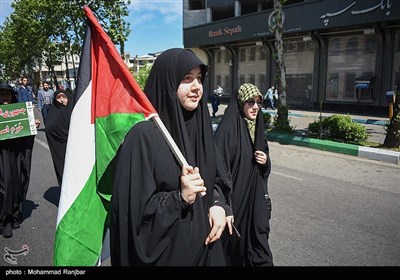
(57, 126)
(15, 169)
(9, 176)
(158, 215)
(240, 138)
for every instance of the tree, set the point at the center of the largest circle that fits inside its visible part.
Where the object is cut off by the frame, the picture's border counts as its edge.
(49, 30)
(119, 29)
(9, 63)
(276, 26)
(392, 139)
(111, 14)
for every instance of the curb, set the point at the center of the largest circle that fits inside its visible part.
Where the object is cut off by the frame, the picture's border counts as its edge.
(341, 148)
(362, 121)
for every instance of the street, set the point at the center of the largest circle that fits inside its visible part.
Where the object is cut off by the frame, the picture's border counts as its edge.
(333, 210)
(327, 210)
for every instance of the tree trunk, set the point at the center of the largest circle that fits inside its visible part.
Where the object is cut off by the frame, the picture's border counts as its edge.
(53, 74)
(392, 139)
(280, 62)
(281, 121)
(67, 70)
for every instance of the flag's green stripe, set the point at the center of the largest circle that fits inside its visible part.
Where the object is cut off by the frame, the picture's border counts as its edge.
(79, 235)
(108, 141)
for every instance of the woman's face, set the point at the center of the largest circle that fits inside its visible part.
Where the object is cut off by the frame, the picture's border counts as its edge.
(190, 89)
(251, 107)
(62, 99)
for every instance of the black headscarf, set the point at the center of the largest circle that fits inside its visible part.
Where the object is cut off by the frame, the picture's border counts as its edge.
(6, 87)
(250, 201)
(192, 131)
(57, 127)
(149, 224)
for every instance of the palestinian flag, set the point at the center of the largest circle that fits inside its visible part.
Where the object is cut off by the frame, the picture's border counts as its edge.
(108, 102)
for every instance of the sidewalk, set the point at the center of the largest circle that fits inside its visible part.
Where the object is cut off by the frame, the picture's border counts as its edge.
(300, 119)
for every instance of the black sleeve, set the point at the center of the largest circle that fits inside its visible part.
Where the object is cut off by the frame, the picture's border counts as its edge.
(223, 183)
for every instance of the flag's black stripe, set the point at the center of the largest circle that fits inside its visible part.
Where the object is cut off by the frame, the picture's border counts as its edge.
(85, 66)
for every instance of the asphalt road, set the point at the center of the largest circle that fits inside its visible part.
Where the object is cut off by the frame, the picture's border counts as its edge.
(328, 210)
(333, 210)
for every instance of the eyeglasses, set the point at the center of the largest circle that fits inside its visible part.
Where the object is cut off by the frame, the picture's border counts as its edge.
(252, 102)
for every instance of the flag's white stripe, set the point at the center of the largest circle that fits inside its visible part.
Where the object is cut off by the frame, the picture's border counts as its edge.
(80, 155)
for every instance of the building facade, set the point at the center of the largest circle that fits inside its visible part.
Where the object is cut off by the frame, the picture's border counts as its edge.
(140, 61)
(65, 71)
(343, 54)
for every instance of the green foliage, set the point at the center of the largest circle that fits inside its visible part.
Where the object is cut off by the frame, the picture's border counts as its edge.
(111, 14)
(281, 119)
(340, 127)
(315, 126)
(267, 119)
(47, 31)
(142, 75)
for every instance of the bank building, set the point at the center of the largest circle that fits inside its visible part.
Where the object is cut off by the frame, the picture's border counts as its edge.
(344, 54)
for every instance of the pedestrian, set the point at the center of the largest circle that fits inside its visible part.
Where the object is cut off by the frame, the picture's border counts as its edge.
(15, 159)
(9, 179)
(276, 98)
(57, 128)
(25, 92)
(216, 99)
(158, 215)
(45, 99)
(269, 98)
(240, 139)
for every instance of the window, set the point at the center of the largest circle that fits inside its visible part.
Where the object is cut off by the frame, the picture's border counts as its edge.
(196, 5)
(242, 79)
(243, 54)
(227, 85)
(252, 79)
(292, 47)
(218, 57)
(333, 86)
(290, 2)
(352, 45)
(370, 44)
(309, 46)
(301, 46)
(262, 54)
(252, 68)
(347, 61)
(218, 79)
(219, 13)
(252, 54)
(335, 46)
(349, 87)
(299, 72)
(248, 7)
(227, 57)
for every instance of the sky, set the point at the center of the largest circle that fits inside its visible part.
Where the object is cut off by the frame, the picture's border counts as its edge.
(156, 25)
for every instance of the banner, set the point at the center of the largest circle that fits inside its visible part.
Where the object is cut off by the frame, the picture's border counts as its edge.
(17, 120)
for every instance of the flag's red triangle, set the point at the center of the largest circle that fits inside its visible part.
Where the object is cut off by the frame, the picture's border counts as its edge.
(114, 87)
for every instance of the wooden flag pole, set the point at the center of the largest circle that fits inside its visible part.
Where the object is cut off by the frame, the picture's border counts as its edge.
(171, 143)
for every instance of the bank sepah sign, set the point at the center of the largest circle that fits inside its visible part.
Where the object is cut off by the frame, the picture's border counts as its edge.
(226, 31)
(17, 120)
